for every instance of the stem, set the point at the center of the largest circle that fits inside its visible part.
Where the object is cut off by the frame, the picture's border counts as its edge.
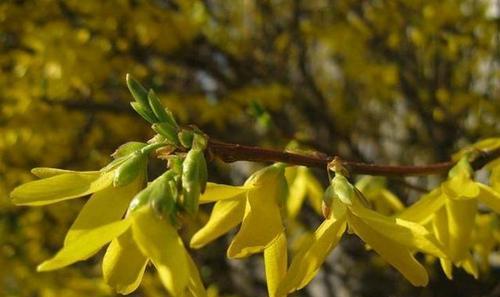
(231, 152)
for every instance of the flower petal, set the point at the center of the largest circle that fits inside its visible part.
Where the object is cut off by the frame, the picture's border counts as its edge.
(447, 267)
(470, 266)
(306, 263)
(195, 286)
(391, 201)
(461, 221)
(225, 215)
(423, 210)
(215, 192)
(123, 264)
(275, 259)
(440, 227)
(261, 222)
(104, 207)
(85, 246)
(394, 253)
(296, 194)
(314, 192)
(490, 197)
(59, 187)
(409, 234)
(159, 241)
(45, 172)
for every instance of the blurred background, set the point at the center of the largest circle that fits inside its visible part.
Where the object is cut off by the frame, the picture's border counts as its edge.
(403, 81)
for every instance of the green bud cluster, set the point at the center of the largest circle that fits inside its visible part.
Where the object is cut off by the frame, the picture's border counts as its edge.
(148, 105)
(180, 187)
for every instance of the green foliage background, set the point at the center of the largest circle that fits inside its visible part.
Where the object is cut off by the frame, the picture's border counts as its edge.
(401, 81)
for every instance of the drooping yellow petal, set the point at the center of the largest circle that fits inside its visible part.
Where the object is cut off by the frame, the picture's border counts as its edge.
(375, 191)
(470, 266)
(312, 253)
(441, 228)
(490, 197)
(215, 192)
(407, 233)
(104, 207)
(225, 215)
(158, 240)
(261, 222)
(391, 201)
(461, 220)
(297, 193)
(85, 246)
(45, 172)
(276, 262)
(123, 264)
(394, 253)
(423, 210)
(59, 187)
(314, 192)
(195, 286)
(447, 267)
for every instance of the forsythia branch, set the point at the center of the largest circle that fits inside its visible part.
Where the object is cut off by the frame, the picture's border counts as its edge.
(230, 152)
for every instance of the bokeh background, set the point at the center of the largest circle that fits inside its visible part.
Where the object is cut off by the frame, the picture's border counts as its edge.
(402, 81)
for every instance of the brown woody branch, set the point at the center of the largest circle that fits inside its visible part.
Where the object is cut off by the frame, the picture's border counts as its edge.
(230, 152)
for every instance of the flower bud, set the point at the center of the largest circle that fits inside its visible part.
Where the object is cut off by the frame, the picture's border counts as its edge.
(129, 170)
(343, 189)
(326, 205)
(192, 178)
(186, 138)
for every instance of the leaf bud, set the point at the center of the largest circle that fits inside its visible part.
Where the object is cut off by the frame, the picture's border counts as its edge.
(144, 112)
(158, 109)
(166, 130)
(137, 90)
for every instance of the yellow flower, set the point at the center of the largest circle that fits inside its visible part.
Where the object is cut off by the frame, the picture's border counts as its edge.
(392, 238)
(139, 238)
(451, 211)
(99, 220)
(256, 205)
(154, 239)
